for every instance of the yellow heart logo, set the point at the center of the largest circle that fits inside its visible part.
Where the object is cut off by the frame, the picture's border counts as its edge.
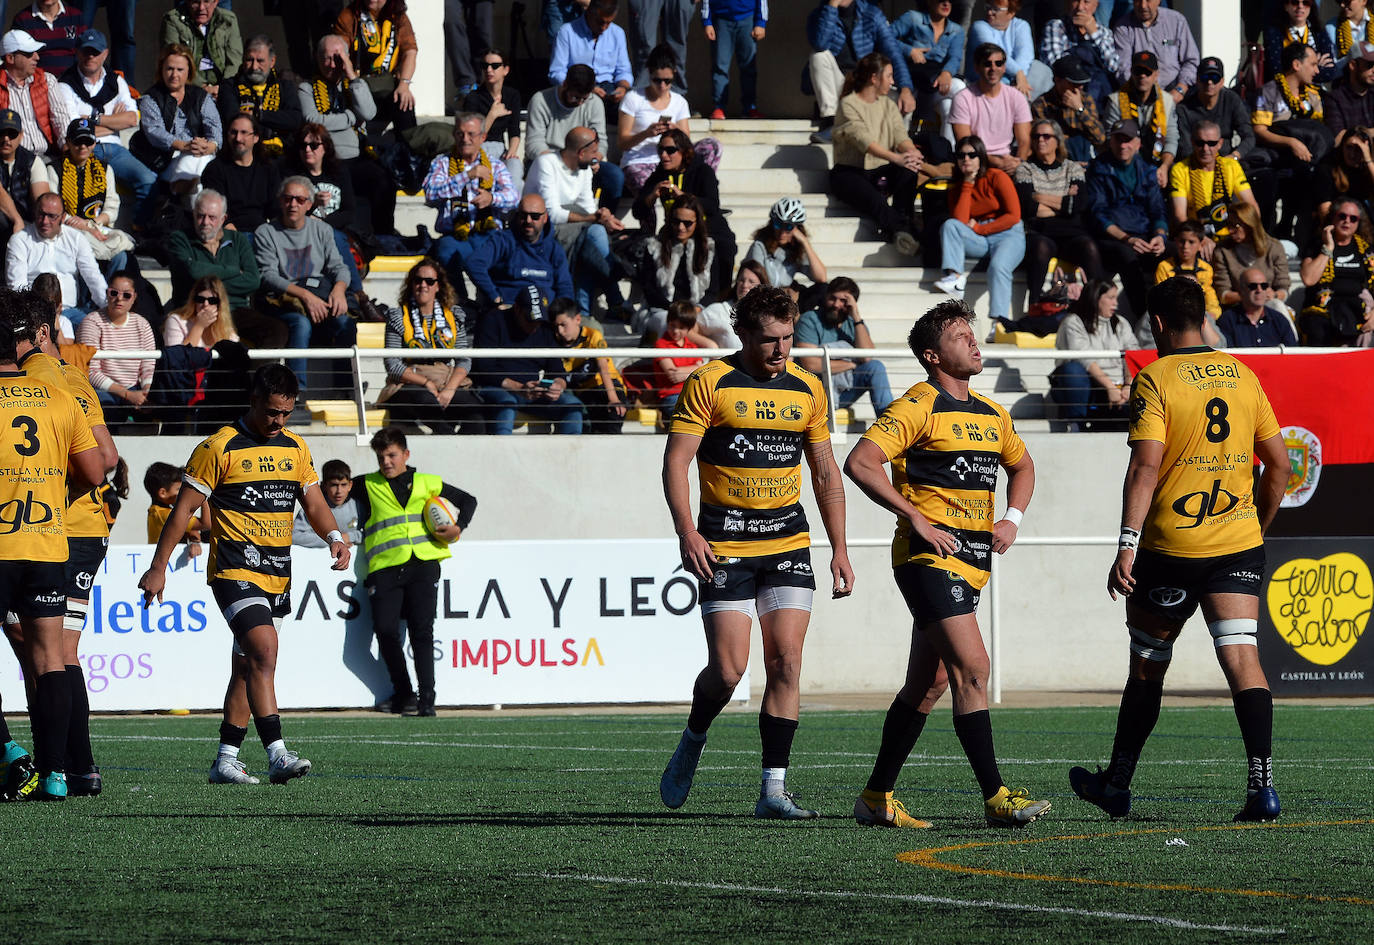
(1320, 608)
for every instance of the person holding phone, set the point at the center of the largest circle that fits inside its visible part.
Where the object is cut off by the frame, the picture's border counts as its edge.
(647, 116)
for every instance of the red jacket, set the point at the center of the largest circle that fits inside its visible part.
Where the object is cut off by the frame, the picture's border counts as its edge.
(988, 205)
(38, 93)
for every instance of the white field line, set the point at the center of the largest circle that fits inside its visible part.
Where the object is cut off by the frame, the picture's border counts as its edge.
(869, 895)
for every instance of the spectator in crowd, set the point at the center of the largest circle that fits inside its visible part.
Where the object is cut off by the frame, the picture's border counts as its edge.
(123, 44)
(1346, 172)
(837, 325)
(715, 326)
(986, 110)
(645, 16)
(1202, 187)
(1251, 323)
(119, 382)
(179, 126)
(340, 101)
(472, 193)
(984, 220)
(558, 12)
(670, 373)
(681, 170)
(1165, 33)
(555, 111)
(499, 104)
(1338, 270)
(23, 177)
(734, 28)
(467, 31)
(534, 386)
(204, 319)
(646, 116)
(526, 254)
(1080, 34)
(594, 40)
(1143, 100)
(248, 180)
(871, 143)
(1349, 104)
(304, 283)
(932, 45)
(186, 376)
(211, 250)
(677, 266)
(89, 90)
(1001, 27)
(1351, 27)
(437, 393)
(336, 484)
(312, 157)
(1248, 246)
(55, 26)
(1093, 393)
(1069, 105)
(594, 380)
(45, 245)
(841, 33)
(89, 197)
(564, 180)
(1288, 125)
(383, 50)
(783, 247)
(261, 91)
(29, 90)
(1297, 21)
(1210, 100)
(1050, 187)
(1186, 260)
(1125, 209)
(211, 33)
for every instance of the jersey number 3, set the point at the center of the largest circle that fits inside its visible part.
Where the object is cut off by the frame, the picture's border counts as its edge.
(30, 427)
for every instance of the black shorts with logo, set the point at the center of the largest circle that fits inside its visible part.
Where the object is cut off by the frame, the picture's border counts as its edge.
(246, 605)
(741, 578)
(1171, 587)
(33, 588)
(932, 593)
(84, 557)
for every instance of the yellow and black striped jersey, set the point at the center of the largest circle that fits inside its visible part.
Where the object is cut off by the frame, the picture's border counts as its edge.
(753, 437)
(1209, 411)
(41, 425)
(253, 485)
(945, 455)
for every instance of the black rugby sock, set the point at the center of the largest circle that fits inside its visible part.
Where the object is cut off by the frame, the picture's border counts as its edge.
(79, 756)
(705, 709)
(1135, 720)
(975, 734)
(232, 735)
(776, 735)
(1255, 713)
(901, 728)
(269, 729)
(54, 700)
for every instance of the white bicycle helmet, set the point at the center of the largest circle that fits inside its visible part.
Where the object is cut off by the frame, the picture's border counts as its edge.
(788, 210)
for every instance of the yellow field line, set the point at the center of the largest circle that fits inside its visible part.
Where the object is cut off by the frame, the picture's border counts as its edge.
(929, 859)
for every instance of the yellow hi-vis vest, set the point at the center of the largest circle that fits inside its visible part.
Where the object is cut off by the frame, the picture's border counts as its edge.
(392, 535)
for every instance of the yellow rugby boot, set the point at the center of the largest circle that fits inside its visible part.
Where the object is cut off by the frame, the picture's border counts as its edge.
(876, 809)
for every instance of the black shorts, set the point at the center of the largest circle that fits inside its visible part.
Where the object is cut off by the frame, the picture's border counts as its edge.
(84, 556)
(1171, 587)
(246, 605)
(32, 588)
(932, 593)
(741, 578)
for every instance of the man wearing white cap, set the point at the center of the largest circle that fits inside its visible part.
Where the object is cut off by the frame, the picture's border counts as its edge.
(28, 90)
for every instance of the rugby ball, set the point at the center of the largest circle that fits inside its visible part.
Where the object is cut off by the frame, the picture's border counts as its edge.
(438, 513)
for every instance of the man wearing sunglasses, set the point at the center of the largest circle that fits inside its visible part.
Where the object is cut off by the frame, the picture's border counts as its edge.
(1166, 34)
(1210, 100)
(526, 254)
(29, 90)
(1203, 187)
(998, 114)
(1252, 323)
(1349, 104)
(1142, 98)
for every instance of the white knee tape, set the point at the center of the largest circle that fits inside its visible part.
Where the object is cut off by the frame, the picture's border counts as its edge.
(1234, 632)
(1149, 647)
(76, 615)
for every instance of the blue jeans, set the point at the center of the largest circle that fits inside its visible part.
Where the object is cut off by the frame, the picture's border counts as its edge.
(120, 14)
(130, 170)
(302, 333)
(609, 183)
(75, 315)
(453, 255)
(1004, 250)
(1080, 397)
(592, 268)
(556, 13)
(502, 405)
(870, 378)
(734, 39)
(355, 278)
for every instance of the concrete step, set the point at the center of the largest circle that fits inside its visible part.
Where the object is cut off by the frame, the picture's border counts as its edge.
(775, 181)
(755, 156)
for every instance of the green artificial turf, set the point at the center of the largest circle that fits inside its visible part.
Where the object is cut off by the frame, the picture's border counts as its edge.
(549, 829)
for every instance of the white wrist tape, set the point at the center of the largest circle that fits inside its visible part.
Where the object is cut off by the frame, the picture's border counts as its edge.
(334, 536)
(1012, 515)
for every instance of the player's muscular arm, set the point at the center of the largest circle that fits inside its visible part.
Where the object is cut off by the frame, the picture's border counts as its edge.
(865, 467)
(155, 578)
(86, 470)
(109, 454)
(1020, 486)
(829, 488)
(1141, 476)
(1273, 480)
(321, 519)
(677, 460)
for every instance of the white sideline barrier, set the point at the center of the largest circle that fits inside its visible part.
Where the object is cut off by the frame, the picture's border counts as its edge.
(519, 622)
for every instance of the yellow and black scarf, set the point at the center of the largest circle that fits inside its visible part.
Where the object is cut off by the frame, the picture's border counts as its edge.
(256, 99)
(374, 46)
(1213, 207)
(483, 220)
(1305, 37)
(439, 331)
(1301, 104)
(1159, 120)
(83, 188)
(1345, 35)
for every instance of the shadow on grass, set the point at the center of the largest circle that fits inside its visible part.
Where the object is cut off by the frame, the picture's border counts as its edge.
(522, 818)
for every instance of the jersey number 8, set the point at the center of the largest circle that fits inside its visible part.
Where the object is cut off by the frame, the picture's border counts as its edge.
(1217, 427)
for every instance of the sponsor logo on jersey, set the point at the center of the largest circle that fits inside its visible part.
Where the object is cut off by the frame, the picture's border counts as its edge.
(734, 522)
(718, 579)
(251, 496)
(1305, 466)
(961, 468)
(741, 408)
(801, 568)
(792, 412)
(784, 565)
(250, 554)
(741, 447)
(84, 580)
(956, 591)
(1191, 372)
(246, 465)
